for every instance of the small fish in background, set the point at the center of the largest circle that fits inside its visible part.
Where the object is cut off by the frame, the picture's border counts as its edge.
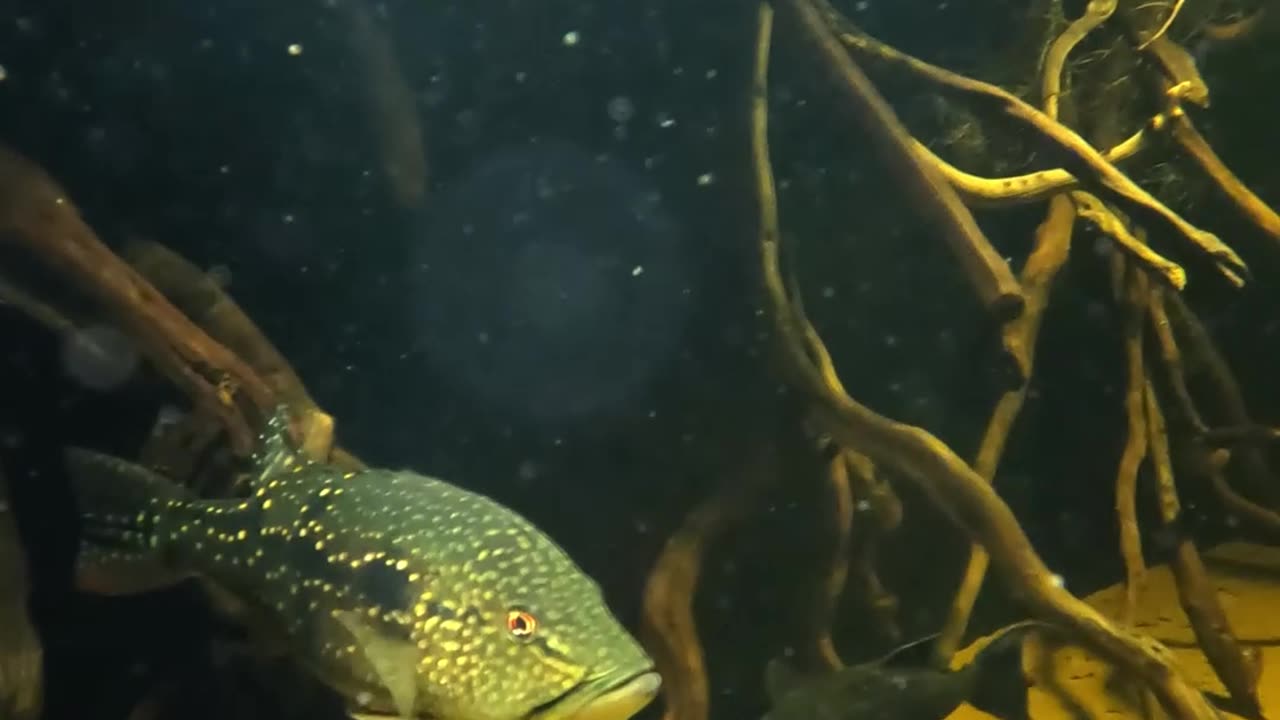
(409, 596)
(903, 686)
(21, 653)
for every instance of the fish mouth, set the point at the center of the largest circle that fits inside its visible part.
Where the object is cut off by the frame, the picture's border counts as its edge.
(606, 697)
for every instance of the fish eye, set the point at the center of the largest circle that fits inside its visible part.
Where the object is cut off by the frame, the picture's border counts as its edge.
(521, 623)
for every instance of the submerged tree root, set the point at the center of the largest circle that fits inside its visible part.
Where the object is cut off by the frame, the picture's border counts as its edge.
(1238, 670)
(37, 214)
(1052, 246)
(1078, 157)
(921, 457)
(205, 302)
(667, 628)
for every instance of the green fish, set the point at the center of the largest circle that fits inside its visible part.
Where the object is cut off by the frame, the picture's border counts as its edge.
(411, 597)
(903, 686)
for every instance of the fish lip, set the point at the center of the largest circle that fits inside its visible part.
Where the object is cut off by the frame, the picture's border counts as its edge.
(608, 695)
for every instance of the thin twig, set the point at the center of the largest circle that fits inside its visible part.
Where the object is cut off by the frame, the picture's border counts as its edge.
(1196, 592)
(1075, 154)
(920, 457)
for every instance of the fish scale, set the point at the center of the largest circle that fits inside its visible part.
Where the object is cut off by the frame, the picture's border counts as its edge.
(409, 595)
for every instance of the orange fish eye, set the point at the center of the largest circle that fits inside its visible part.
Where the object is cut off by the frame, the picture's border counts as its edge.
(521, 624)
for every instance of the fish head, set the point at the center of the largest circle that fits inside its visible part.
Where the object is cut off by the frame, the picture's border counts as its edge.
(528, 636)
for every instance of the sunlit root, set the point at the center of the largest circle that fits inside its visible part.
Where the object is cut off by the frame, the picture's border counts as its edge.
(1134, 300)
(980, 191)
(1164, 17)
(667, 625)
(37, 214)
(1096, 12)
(919, 456)
(1052, 247)
(932, 196)
(1096, 212)
(1076, 155)
(831, 584)
(1188, 138)
(1199, 598)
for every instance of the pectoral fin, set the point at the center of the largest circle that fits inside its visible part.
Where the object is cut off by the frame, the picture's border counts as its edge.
(395, 660)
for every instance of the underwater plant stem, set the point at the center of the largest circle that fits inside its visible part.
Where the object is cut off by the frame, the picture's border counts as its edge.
(866, 485)
(35, 308)
(1188, 138)
(1212, 463)
(1092, 209)
(928, 191)
(1227, 397)
(1237, 669)
(1076, 155)
(210, 307)
(1134, 302)
(925, 460)
(1182, 81)
(1055, 59)
(668, 629)
(36, 212)
(1171, 356)
(1164, 26)
(832, 583)
(978, 191)
(1052, 247)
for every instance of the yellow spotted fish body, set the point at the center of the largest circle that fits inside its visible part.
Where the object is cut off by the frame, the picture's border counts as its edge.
(410, 596)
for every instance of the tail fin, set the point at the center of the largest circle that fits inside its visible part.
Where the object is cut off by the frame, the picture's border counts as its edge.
(121, 505)
(1001, 687)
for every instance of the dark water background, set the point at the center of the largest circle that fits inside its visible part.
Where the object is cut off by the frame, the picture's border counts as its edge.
(193, 125)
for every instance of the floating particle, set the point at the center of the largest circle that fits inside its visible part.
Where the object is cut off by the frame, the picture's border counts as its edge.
(621, 109)
(570, 38)
(295, 49)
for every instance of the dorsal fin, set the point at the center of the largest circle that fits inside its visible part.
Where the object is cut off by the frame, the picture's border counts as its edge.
(276, 451)
(915, 653)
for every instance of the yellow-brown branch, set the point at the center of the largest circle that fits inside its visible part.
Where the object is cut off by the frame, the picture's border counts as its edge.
(1199, 598)
(1075, 154)
(923, 459)
(1134, 302)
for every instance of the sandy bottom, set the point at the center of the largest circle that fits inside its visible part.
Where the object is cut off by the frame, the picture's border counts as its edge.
(1070, 683)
